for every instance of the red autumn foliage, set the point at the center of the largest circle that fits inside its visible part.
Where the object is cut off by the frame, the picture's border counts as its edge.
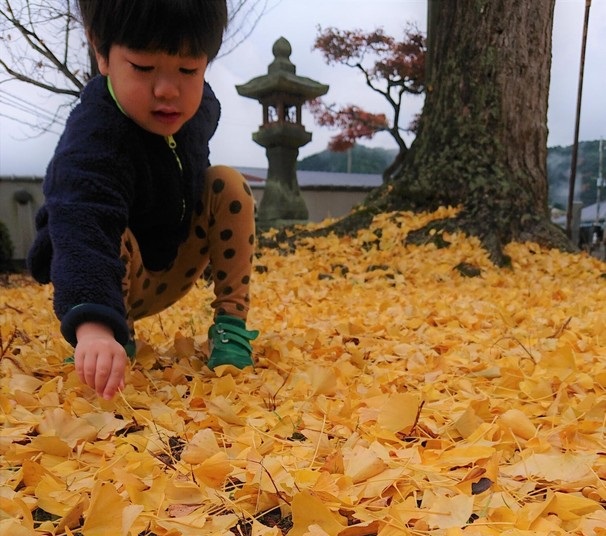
(352, 121)
(390, 67)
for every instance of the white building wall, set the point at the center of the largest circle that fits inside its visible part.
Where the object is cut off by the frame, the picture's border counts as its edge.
(19, 217)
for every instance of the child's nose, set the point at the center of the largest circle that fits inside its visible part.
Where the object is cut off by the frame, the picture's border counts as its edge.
(165, 88)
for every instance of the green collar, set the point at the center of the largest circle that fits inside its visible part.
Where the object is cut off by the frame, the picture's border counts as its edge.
(113, 94)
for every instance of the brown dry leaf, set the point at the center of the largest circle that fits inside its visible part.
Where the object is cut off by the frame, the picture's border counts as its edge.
(391, 396)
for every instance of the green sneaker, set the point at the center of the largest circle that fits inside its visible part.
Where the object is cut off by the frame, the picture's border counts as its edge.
(230, 342)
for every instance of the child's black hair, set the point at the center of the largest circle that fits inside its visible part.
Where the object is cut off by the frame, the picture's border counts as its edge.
(190, 27)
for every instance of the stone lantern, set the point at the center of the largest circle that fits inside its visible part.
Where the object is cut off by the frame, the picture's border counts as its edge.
(282, 92)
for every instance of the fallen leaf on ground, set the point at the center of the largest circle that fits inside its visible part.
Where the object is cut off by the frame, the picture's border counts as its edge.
(391, 396)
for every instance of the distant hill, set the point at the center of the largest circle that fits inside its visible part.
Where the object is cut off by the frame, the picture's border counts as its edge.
(361, 159)
(374, 160)
(558, 173)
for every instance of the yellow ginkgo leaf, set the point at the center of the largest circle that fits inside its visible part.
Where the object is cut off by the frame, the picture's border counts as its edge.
(214, 470)
(72, 430)
(309, 511)
(362, 463)
(108, 512)
(53, 497)
(202, 446)
(399, 413)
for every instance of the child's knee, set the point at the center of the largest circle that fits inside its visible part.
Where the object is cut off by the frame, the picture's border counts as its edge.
(230, 184)
(225, 179)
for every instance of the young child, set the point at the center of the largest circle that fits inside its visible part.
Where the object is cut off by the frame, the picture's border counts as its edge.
(133, 210)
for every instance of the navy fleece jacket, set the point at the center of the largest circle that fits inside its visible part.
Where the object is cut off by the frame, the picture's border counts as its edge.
(108, 174)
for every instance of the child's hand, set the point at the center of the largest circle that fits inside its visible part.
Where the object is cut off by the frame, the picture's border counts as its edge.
(100, 359)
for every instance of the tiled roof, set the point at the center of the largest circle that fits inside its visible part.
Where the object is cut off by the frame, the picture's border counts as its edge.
(323, 179)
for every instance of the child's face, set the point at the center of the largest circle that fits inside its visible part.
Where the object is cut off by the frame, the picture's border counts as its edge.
(158, 91)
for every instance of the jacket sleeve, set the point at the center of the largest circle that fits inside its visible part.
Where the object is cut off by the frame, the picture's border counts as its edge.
(88, 190)
(41, 252)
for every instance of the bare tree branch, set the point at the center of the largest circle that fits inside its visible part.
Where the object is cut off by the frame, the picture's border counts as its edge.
(244, 15)
(40, 31)
(38, 83)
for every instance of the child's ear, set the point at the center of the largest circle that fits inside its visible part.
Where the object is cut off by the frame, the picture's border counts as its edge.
(102, 61)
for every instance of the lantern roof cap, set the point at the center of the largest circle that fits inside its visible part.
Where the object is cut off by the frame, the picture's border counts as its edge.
(281, 77)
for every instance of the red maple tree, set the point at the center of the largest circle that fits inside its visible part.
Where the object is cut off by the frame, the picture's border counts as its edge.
(391, 68)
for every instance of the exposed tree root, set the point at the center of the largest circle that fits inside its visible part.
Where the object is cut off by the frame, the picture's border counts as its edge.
(492, 238)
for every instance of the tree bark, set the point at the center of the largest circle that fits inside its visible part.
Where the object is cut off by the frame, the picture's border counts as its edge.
(482, 139)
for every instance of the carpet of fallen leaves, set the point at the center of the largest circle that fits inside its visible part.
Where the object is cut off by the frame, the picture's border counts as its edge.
(392, 395)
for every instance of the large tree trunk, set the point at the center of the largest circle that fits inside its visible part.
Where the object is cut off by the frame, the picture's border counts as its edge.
(482, 139)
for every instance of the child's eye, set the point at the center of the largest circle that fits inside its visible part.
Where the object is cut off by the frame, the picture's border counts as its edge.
(141, 68)
(188, 71)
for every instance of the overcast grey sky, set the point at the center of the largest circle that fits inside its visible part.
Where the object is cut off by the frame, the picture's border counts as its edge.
(297, 21)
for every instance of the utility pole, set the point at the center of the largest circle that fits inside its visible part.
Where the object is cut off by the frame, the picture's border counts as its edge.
(575, 147)
(599, 184)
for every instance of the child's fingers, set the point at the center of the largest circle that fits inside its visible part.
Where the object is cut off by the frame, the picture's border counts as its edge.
(90, 369)
(114, 379)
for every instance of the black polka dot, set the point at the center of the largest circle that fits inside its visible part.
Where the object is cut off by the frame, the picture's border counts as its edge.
(218, 186)
(124, 259)
(247, 189)
(227, 290)
(221, 311)
(146, 284)
(251, 239)
(240, 307)
(229, 253)
(221, 275)
(137, 304)
(204, 251)
(226, 234)
(235, 207)
(139, 271)
(212, 220)
(191, 272)
(161, 288)
(186, 287)
(246, 280)
(200, 233)
(129, 246)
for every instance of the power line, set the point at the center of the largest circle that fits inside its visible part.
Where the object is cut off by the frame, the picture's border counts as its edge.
(37, 114)
(21, 121)
(25, 106)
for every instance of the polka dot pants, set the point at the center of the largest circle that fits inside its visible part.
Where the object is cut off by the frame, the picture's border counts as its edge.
(222, 233)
